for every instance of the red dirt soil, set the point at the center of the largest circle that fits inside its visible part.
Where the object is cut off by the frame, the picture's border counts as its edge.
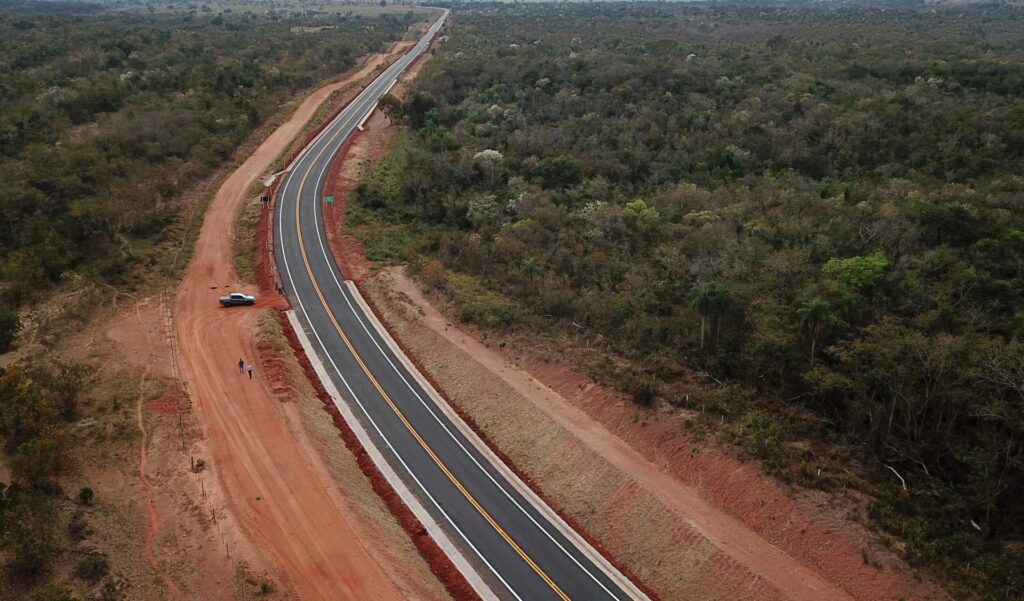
(341, 101)
(169, 404)
(268, 483)
(504, 458)
(151, 522)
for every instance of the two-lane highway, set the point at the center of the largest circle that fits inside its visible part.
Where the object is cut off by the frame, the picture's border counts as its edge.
(514, 544)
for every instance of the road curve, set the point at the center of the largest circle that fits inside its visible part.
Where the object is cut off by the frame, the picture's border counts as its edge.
(516, 546)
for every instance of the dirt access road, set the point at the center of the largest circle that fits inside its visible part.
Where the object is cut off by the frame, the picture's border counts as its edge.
(273, 487)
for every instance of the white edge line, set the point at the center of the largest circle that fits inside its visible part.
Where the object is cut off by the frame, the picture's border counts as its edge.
(396, 483)
(323, 132)
(570, 533)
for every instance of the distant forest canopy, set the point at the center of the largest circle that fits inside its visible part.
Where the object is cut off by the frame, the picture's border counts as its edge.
(821, 208)
(106, 117)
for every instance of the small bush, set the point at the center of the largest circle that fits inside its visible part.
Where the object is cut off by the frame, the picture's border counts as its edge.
(78, 528)
(245, 241)
(644, 393)
(28, 562)
(85, 496)
(113, 589)
(92, 569)
(54, 592)
(475, 304)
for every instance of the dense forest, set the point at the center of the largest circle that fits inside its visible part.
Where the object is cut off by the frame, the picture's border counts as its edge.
(106, 117)
(808, 220)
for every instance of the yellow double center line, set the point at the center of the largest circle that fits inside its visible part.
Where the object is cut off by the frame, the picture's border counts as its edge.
(469, 497)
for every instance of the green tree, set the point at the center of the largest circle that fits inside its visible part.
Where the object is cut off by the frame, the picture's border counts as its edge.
(391, 107)
(92, 568)
(813, 315)
(857, 272)
(530, 268)
(638, 208)
(1017, 327)
(27, 531)
(39, 460)
(441, 138)
(557, 172)
(759, 185)
(711, 300)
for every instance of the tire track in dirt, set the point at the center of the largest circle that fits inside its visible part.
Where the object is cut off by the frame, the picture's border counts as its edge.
(152, 519)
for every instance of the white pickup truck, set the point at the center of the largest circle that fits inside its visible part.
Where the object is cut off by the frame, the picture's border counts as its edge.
(237, 298)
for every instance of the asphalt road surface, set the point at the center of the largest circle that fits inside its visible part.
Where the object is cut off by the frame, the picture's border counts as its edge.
(517, 551)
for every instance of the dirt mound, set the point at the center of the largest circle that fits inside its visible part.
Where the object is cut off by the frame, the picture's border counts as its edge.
(169, 403)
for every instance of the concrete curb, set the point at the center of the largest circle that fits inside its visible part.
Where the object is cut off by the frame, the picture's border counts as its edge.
(434, 530)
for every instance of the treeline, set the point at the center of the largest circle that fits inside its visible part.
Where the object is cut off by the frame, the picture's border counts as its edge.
(106, 117)
(821, 208)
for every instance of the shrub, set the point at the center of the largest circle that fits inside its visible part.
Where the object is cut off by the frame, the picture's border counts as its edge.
(85, 496)
(92, 568)
(644, 393)
(39, 460)
(78, 528)
(54, 592)
(28, 561)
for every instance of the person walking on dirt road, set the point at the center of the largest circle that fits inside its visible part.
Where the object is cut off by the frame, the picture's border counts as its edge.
(241, 364)
(248, 368)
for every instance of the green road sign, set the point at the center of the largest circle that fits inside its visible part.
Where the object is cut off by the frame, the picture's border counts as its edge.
(328, 199)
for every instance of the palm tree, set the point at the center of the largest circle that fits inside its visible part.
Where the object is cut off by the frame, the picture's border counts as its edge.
(530, 267)
(813, 315)
(711, 300)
